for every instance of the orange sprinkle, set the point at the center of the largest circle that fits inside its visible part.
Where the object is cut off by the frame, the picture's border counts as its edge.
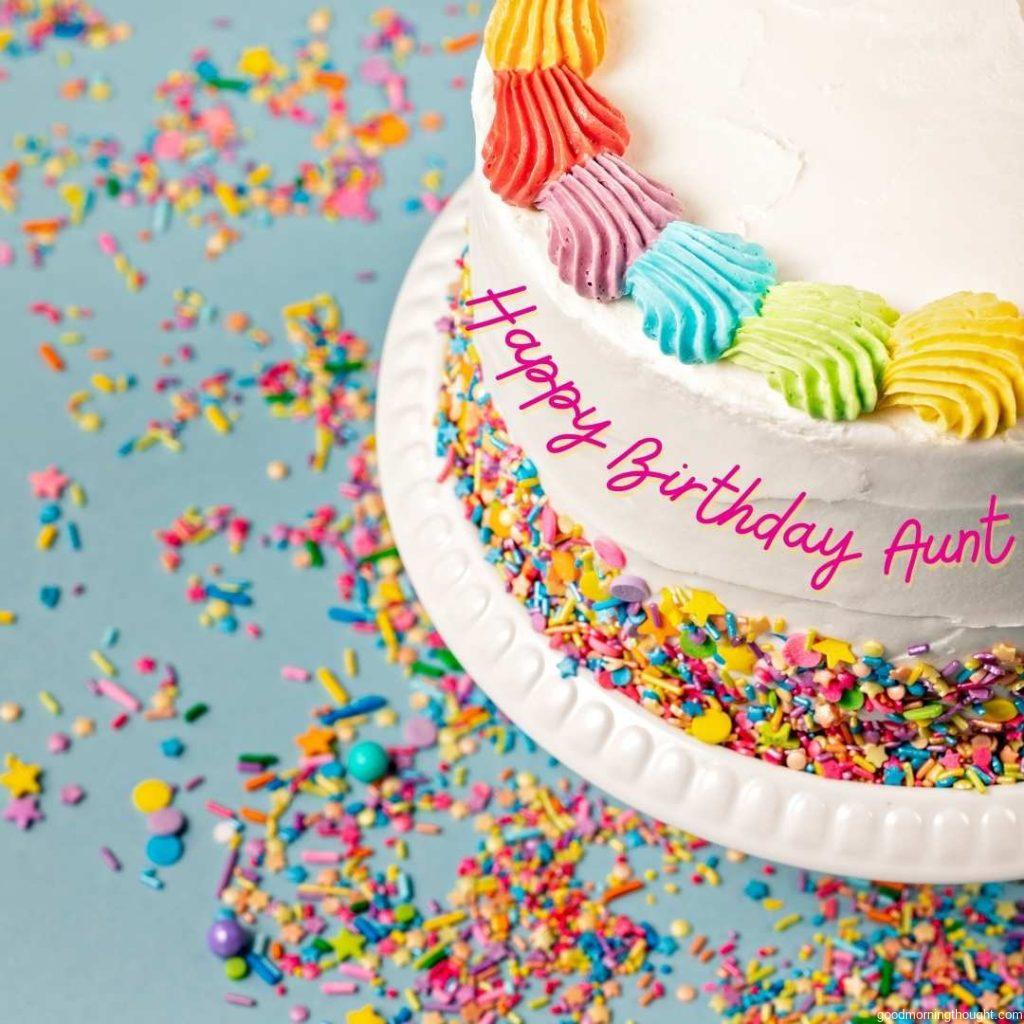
(387, 130)
(42, 227)
(258, 781)
(11, 172)
(460, 43)
(621, 890)
(330, 80)
(51, 357)
(253, 816)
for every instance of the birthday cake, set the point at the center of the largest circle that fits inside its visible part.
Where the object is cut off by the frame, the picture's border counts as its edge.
(733, 391)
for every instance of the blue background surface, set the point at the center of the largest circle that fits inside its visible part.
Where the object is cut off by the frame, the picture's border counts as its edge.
(80, 943)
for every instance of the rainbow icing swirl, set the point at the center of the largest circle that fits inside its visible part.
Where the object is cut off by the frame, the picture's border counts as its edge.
(694, 286)
(829, 350)
(603, 215)
(959, 364)
(822, 347)
(548, 122)
(522, 35)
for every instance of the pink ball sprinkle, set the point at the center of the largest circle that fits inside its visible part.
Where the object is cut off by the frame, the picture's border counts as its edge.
(795, 652)
(298, 1014)
(58, 743)
(420, 731)
(610, 552)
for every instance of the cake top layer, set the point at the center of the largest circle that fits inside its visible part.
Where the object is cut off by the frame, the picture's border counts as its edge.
(874, 143)
(847, 171)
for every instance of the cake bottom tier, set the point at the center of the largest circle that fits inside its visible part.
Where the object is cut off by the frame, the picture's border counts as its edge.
(736, 677)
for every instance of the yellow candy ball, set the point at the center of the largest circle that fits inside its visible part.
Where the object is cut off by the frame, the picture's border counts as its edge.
(712, 727)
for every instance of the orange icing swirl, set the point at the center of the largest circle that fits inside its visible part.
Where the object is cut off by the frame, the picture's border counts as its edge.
(959, 364)
(547, 122)
(523, 35)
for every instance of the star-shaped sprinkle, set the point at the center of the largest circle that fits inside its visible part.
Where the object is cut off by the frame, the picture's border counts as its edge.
(701, 605)
(48, 483)
(737, 659)
(314, 741)
(835, 651)
(347, 944)
(20, 778)
(24, 812)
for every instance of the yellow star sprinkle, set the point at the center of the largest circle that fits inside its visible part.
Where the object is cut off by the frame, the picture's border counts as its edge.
(20, 778)
(835, 651)
(347, 944)
(701, 605)
(737, 659)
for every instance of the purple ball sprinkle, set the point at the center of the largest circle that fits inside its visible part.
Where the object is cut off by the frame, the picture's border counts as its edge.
(226, 937)
(168, 821)
(630, 589)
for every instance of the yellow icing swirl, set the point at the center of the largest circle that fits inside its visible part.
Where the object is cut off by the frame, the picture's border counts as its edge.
(523, 35)
(959, 364)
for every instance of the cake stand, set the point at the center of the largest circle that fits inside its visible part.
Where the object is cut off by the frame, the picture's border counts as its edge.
(850, 828)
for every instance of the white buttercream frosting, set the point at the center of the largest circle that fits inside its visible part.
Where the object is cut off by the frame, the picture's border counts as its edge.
(866, 142)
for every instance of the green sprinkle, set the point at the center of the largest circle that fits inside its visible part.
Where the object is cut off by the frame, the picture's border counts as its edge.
(228, 84)
(885, 984)
(379, 555)
(316, 556)
(451, 662)
(431, 958)
(852, 700)
(405, 913)
(263, 760)
(421, 668)
(196, 712)
(925, 713)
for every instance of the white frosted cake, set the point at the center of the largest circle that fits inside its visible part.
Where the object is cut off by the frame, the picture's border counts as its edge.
(771, 254)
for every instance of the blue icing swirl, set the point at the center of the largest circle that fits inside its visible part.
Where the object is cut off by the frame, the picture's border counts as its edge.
(694, 286)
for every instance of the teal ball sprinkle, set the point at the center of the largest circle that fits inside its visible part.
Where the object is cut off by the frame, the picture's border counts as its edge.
(367, 761)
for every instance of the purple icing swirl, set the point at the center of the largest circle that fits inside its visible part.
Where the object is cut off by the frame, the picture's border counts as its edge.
(602, 215)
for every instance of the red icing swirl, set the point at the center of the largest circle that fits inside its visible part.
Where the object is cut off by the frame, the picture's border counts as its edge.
(548, 121)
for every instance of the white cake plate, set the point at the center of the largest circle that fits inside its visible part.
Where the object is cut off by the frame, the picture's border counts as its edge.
(850, 828)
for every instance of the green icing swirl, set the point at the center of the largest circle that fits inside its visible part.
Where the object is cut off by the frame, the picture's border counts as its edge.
(822, 347)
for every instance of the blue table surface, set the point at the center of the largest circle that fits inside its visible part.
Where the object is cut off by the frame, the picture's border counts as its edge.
(81, 943)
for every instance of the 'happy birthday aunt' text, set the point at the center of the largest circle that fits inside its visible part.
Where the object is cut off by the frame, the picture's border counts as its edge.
(726, 499)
